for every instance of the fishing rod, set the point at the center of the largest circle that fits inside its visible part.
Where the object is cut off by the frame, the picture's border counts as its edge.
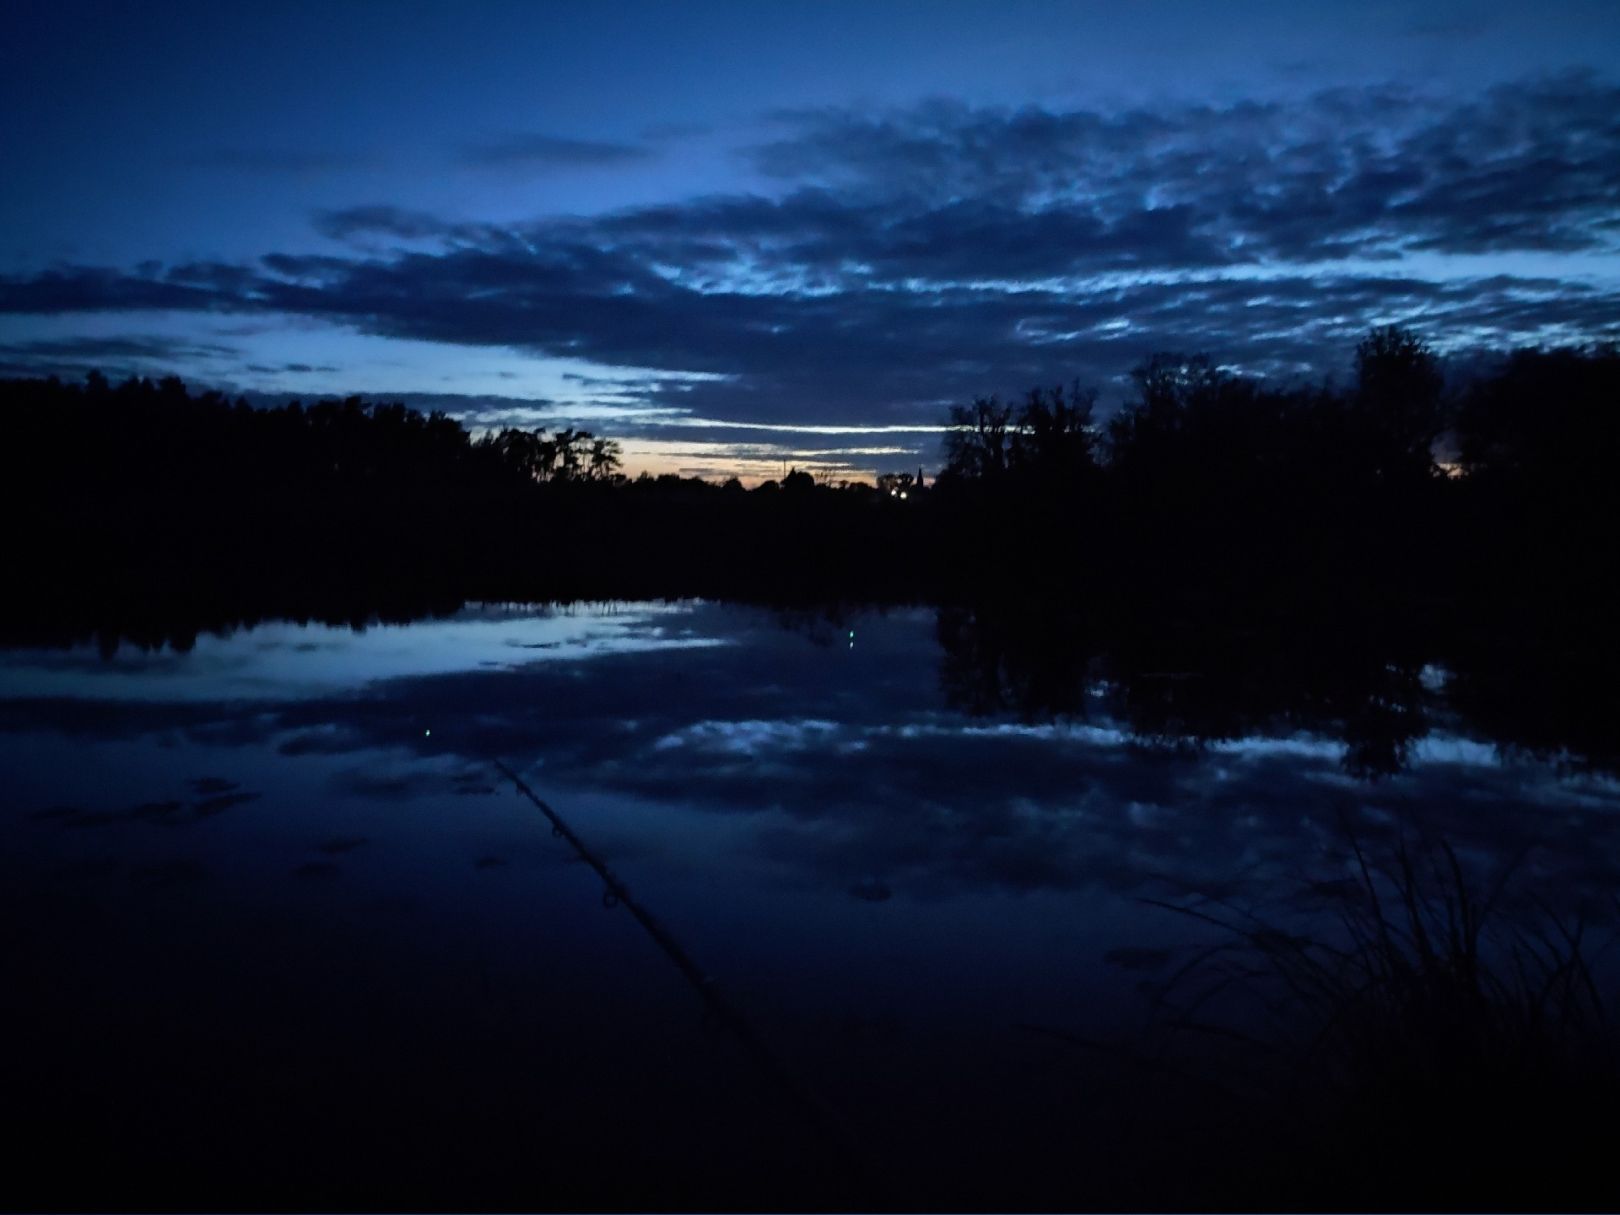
(615, 894)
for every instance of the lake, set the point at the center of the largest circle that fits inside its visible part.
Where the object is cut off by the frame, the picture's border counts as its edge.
(283, 933)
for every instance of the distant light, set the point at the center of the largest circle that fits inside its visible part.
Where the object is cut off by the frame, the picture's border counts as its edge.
(852, 634)
(902, 495)
(427, 733)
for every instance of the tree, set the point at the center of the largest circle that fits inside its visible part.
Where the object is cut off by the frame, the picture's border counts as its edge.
(523, 451)
(1170, 390)
(1398, 401)
(1548, 419)
(569, 445)
(976, 444)
(1054, 439)
(604, 459)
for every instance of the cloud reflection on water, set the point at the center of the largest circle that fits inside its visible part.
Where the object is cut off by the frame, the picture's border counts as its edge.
(847, 757)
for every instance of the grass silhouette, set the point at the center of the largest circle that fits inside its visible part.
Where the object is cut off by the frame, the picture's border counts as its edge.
(1414, 1034)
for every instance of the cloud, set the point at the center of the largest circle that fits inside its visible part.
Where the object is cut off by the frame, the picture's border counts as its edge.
(913, 258)
(101, 289)
(534, 150)
(118, 355)
(295, 368)
(396, 222)
(1364, 171)
(858, 355)
(128, 347)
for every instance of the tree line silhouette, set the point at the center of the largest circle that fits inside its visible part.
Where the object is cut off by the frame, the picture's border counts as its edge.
(1207, 494)
(1500, 491)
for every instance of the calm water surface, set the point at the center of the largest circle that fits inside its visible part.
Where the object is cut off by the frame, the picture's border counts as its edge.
(281, 933)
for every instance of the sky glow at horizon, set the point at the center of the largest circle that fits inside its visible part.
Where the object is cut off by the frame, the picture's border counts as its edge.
(733, 239)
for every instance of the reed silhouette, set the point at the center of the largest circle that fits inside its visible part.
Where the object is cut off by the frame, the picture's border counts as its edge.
(1410, 1032)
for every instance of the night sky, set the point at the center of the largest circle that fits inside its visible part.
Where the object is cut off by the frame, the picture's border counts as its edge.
(740, 234)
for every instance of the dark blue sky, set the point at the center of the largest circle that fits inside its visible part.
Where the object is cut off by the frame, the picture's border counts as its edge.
(740, 233)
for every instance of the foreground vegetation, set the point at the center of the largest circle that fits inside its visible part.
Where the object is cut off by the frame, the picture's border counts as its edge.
(1414, 1028)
